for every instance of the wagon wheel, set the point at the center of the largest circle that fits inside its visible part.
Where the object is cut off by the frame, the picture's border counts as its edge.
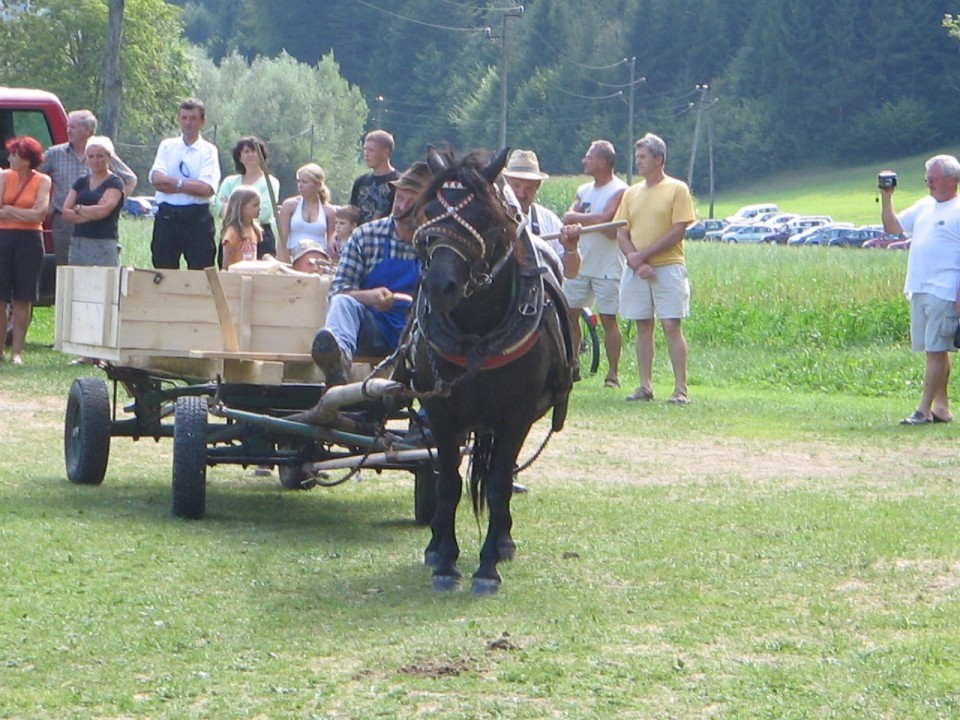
(86, 432)
(190, 458)
(425, 493)
(589, 342)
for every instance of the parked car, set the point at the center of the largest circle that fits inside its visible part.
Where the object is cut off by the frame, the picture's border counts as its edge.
(855, 237)
(801, 237)
(698, 230)
(140, 206)
(884, 240)
(716, 235)
(748, 234)
(826, 233)
(749, 212)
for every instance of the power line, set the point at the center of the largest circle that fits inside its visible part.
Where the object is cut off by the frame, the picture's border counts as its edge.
(566, 59)
(618, 93)
(418, 22)
(475, 7)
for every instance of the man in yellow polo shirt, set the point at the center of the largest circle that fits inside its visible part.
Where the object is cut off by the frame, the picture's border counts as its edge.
(654, 283)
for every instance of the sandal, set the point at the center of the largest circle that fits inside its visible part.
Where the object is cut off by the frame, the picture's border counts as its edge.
(611, 382)
(678, 398)
(941, 418)
(918, 418)
(640, 393)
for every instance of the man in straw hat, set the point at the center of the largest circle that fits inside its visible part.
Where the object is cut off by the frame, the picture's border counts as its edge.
(523, 176)
(375, 281)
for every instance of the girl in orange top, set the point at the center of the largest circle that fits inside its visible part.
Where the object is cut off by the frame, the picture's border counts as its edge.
(24, 199)
(241, 229)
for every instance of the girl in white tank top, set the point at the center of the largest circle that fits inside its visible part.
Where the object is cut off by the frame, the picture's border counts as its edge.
(314, 197)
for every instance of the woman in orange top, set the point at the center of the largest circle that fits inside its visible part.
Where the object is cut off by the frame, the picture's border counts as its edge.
(24, 199)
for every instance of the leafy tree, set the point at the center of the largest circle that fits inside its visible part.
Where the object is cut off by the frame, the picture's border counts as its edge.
(59, 45)
(304, 113)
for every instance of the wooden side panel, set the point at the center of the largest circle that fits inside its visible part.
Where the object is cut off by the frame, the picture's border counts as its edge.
(135, 313)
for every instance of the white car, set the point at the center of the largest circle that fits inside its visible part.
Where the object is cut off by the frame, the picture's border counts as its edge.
(748, 234)
(717, 235)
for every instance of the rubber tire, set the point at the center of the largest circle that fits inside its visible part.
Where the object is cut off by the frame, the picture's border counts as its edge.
(425, 480)
(189, 498)
(590, 344)
(86, 431)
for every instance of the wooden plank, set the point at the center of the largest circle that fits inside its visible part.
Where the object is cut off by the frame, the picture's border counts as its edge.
(255, 371)
(228, 333)
(245, 315)
(64, 306)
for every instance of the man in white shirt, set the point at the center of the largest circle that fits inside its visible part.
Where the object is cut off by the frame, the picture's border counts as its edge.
(601, 262)
(185, 174)
(933, 279)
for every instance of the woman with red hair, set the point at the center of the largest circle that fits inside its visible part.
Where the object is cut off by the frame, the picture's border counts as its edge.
(24, 199)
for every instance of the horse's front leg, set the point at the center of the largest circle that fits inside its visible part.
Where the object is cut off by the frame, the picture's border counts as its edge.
(498, 544)
(443, 551)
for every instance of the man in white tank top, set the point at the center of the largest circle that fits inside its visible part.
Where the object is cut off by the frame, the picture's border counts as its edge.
(601, 261)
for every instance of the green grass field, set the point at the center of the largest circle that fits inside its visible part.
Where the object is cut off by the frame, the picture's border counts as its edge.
(781, 548)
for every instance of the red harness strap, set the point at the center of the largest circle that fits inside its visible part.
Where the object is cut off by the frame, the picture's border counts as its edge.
(496, 360)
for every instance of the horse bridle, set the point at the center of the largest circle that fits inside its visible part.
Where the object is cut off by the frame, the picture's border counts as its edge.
(471, 246)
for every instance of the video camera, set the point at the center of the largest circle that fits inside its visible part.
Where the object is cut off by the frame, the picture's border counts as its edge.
(886, 180)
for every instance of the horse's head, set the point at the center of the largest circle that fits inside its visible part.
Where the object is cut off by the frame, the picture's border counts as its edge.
(465, 229)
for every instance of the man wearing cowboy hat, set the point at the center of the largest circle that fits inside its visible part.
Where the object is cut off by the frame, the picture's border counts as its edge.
(523, 176)
(374, 285)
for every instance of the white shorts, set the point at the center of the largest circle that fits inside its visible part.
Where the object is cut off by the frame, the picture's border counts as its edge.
(933, 323)
(581, 292)
(666, 297)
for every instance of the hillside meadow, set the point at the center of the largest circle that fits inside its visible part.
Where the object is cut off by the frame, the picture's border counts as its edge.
(781, 548)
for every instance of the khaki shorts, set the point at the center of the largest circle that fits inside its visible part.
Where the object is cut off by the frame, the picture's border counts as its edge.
(582, 291)
(933, 323)
(666, 297)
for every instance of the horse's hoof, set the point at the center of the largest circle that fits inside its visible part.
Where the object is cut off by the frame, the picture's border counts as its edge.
(446, 583)
(484, 587)
(431, 558)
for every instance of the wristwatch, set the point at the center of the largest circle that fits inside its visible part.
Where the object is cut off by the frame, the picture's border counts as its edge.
(180, 184)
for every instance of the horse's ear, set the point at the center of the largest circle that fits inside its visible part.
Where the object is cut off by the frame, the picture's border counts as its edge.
(435, 160)
(492, 170)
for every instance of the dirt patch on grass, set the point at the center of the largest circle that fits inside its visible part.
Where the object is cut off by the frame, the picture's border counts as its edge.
(648, 461)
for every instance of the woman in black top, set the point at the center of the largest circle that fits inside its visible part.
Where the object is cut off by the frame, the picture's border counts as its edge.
(93, 205)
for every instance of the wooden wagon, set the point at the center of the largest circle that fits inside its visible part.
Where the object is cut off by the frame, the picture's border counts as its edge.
(219, 361)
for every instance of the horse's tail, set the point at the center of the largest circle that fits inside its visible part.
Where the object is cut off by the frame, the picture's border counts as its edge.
(480, 459)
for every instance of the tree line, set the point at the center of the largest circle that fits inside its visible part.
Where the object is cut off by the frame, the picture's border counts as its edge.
(788, 82)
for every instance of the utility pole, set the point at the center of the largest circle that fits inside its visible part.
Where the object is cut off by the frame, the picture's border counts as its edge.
(502, 37)
(701, 104)
(633, 69)
(710, 156)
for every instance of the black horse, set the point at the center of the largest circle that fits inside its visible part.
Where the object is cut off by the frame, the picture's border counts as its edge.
(491, 352)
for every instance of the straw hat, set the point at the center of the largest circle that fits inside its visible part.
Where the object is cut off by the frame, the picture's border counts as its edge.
(524, 165)
(306, 246)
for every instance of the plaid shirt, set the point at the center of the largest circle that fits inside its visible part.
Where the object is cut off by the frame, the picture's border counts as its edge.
(63, 166)
(366, 248)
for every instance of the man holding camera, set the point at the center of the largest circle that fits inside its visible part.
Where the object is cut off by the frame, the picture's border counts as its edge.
(933, 277)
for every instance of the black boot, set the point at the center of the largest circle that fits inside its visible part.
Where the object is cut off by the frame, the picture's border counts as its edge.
(330, 358)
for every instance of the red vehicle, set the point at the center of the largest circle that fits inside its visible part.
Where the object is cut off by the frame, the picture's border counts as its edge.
(41, 115)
